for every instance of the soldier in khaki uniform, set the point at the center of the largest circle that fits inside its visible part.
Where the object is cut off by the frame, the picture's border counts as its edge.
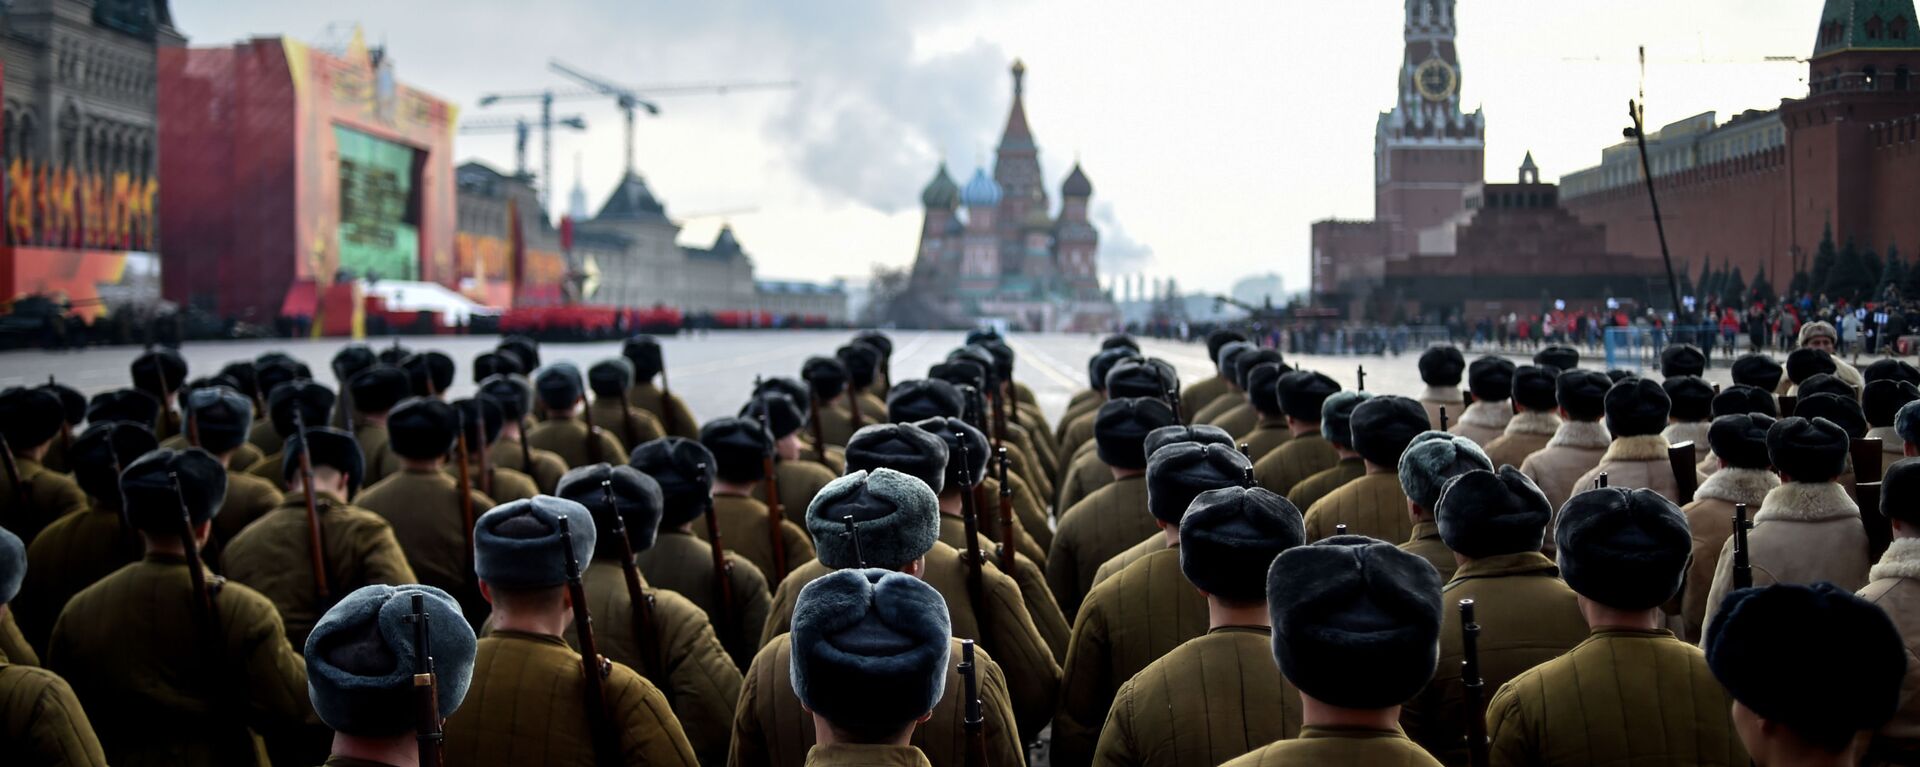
(1336, 425)
(562, 391)
(272, 370)
(610, 379)
(31, 495)
(125, 405)
(218, 419)
(808, 441)
(1534, 420)
(670, 643)
(145, 623)
(79, 549)
(1881, 404)
(1434, 458)
(741, 449)
(1214, 697)
(273, 554)
(1200, 394)
(347, 363)
(483, 419)
(1745, 476)
(1086, 402)
(870, 656)
(1579, 443)
(736, 599)
(1373, 505)
(42, 720)
(970, 370)
(1227, 363)
(1113, 517)
(515, 396)
(865, 388)
(1128, 378)
(1090, 398)
(1355, 623)
(1148, 608)
(1895, 588)
(827, 383)
(1624, 553)
(1495, 521)
(161, 373)
(425, 506)
(1692, 411)
(1636, 414)
(1272, 429)
(798, 480)
(1490, 379)
(1302, 394)
(1781, 724)
(429, 374)
(649, 363)
(1159, 438)
(310, 400)
(361, 661)
(374, 392)
(527, 703)
(1807, 530)
(1026, 425)
(1440, 369)
(895, 519)
(1240, 419)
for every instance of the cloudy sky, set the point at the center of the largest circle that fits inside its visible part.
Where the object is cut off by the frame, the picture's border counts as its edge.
(1214, 132)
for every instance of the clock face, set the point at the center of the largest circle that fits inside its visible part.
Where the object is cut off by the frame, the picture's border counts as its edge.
(1436, 79)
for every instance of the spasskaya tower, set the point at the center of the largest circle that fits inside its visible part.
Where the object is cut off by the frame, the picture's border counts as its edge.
(1427, 150)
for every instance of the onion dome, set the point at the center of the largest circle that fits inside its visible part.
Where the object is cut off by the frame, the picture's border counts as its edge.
(981, 190)
(1076, 184)
(941, 193)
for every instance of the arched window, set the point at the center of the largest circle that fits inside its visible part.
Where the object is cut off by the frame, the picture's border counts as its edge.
(1874, 27)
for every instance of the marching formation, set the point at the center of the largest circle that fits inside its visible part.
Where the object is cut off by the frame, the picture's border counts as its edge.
(1523, 564)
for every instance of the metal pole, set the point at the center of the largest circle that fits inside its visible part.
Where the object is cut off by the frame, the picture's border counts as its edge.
(546, 151)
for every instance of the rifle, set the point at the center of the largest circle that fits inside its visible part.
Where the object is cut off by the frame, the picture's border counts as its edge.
(1685, 476)
(66, 427)
(1475, 685)
(1000, 416)
(193, 424)
(486, 461)
(426, 686)
(1007, 531)
(1600, 482)
(593, 437)
(976, 585)
(344, 408)
(593, 668)
(1173, 398)
(316, 545)
(1742, 566)
(1361, 375)
(1867, 460)
(13, 470)
(722, 573)
(1443, 417)
(819, 433)
(466, 486)
(853, 408)
(972, 722)
(853, 534)
(666, 402)
(774, 514)
(652, 661)
(1339, 530)
(203, 595)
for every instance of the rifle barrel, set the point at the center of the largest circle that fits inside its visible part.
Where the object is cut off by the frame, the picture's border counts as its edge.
(1475, 686)
(466, 486)
(592, 671)
(316, 543)
(1742, 564)
(1009, 534)
(638, 600)
(775, 515)
(972, 722)
(970, 516)
(427, 721)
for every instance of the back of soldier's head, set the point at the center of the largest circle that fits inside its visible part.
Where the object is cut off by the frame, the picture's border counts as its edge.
(1356, 621)
(362, 657)
(609, 490)
(870, 651)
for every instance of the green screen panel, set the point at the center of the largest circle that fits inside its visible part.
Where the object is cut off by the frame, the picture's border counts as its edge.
(376, 189)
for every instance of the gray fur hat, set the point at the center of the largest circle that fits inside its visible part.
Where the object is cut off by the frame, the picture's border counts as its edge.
(1177, 474)
(152, 505)
(1484, 513)
(1626, 549)
(1230, 536)
(1432, 459)
(956, 434)
(1907, 422)
(1336, 416)
(1384, 426)
(13, 565)
(636, 496)
(1121, 426)
(1176, 434)
(871, 650)
(924, 398)
(221, 417)
(559, 385)
(902, 447)
(517, 545)
(896, 517)
(361, 658)
(1356, 621)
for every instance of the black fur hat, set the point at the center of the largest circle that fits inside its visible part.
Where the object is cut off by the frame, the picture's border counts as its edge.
(1637, 407)
(740, 448)
(825, 376)
(1891, 370)
(1302, 393)
(1806, 362)
(1244, 364)
(1224, 361)
(159, 372)
(102, 450)
(1384, 426)
(1682, 360)
(1177, 433)
(896, 520)
(1441, 366)
(1138, 378)
(1841, 410)
(1484, 513)
(610, 377)
(1743, 400)
(350, 360)
(30, 418)
(221, 417)
(527, 349)
(1828, 383)
(1356, 621)
(152, 504)
(483, 418)
(313, 401)
(1119, 341)
(422, 429)
(1263, 389)
(1101, 364)
(377, 389)
(644, 352)
(684, 469)
(960, 372)
(1692, 398)
(1582, 393)
(73, 404)
(1561, 358)
(923, 398)
(125, 405)
(430, 373)
(1490, 379)
(512, 393)
(517, 545)
(560, 385)
(870, 650)
(783, 415)
(489, 364)
(1808, 450)
(902, 447)
(1534, 387)
(1626, 549)
(603, 488)
(1178, 473)
(954, 433)
(1757, 370)
(1884, 398)
(1431, 460)
(245, 375)
(1121, 426)
(862, 362)
(332, 448)
(1219, 338)
(1336, 416)
(1900, 491)
(1229, 538)
(1826, 698)
(1741, 440)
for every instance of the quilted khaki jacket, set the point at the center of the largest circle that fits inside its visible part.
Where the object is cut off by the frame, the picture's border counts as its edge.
(1806, 532)
(547, 467)
(683, 564)
(1104, 524)
(744, 530)
(1710, 517)
(1450, 397)
(1135, 553)
(41, 721)
(1310, 490)
(680, 423)
(1084, 474)
(272, 556)
(1373, 506)
(1032, 579)
(799, 481)
(1239, 421)
(1528, 433)
(48, 495)
(1484, 422)
(1214, 698)
(1292, 463)
(1269, 433)
(567, 438)
(630, 425)
(71, 554)
(1340, 747)
(1199, 394)
(1895, 588)
(427, 517)
(1425, 541)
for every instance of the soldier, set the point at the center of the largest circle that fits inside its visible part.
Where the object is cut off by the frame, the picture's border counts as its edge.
(350, 361)
(242, 457)
(1881, 405)
(499, 362)
(1428, 464)
(1806, 363)
(863, 364)
(1355, 622)
(522, 349)
(272, 372)
(43, 721)
(1336, 426)
(1534, 420)
(127, 405)
(1202, 393)
(311, 400)
(483, 419)
(1025, 422)
(1494, 523)
(1239, 420)
(31, 495)
(1678, 360)
(1778, 720)
(1895, 588)
(73, 407)
(1112, 518)
(1745, 476)
(1220, 683)
(1845, 412)
(969, 369)
(425, 506)
(218, 419)
(798, 480)
(1821, 337)
(1490, 379)
(610, 379)
(1440, 368)
(826, 383)
(1561, 358)
(1581, 440)
(1624, 553)
(1302, 395)
(1636, 414)
(140, 645)
(79, 549)
(273, 555)
(1807, 530)
(1736, 400)
(1271, 430)
(958, 483)
(1162, 437)
(1228, 365)
(741, 450)
(1692, 412)
(894, 518)
(865, 634)
(684, 564)
(1374, 504)
(362, 660)
(528, 700)
(374, 392)
(510, 450)
(1087, 472)
(160, 373)
(671, 643)
(1090, 399)
(429, 374)
(1147, 609)
(1757, 370)
(563, 393)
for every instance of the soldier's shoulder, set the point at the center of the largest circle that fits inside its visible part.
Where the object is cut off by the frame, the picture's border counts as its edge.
(811, 470)
(240, 482)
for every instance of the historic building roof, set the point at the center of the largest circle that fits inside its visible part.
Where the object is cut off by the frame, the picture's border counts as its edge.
(1017, 135)
(1076, 184)
(632, 201)
(941, 192)
(981, 190)
(1866, 24)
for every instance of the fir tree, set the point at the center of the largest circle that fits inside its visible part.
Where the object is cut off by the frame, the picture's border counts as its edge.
(1800, 284)
(1823, 262)
(1733, 293)
(1761, 291)
(1706, 276)
(1843, 279)
(1686, 282)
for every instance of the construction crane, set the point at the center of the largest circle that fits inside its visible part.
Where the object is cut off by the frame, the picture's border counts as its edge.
(629, 98)
(519, 127)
